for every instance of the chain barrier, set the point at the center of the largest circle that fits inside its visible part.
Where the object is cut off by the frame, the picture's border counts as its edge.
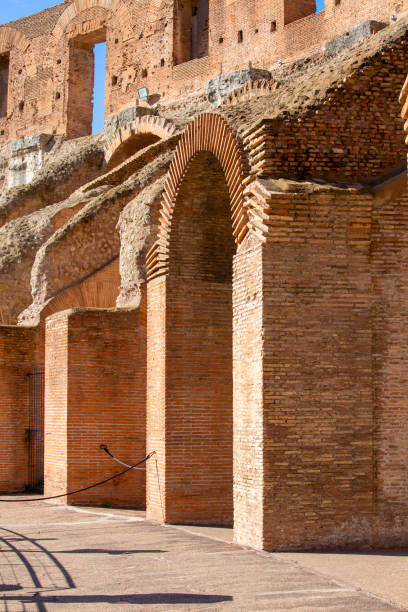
(92, 486)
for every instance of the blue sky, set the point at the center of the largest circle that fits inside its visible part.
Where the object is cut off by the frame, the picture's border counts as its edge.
(14, 9)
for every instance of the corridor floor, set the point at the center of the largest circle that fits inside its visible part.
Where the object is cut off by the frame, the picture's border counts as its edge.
(54, 557)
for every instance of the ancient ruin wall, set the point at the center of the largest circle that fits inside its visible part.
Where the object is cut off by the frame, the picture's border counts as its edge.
(46, 60)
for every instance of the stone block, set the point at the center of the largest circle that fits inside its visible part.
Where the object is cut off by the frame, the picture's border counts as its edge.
(219, 88)
(114, 122)
(353, 36)
(26, 158)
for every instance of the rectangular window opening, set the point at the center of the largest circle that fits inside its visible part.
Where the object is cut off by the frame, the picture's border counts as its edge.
(298, 9)
(98, 116)
(86, 84)
(4, 84)
(191, 30)
(320, 5)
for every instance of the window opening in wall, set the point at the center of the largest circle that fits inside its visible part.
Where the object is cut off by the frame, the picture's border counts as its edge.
(4, 84)
(297, 9)
(86, 84)
(98, 117)
(320, 5)
(191, 30)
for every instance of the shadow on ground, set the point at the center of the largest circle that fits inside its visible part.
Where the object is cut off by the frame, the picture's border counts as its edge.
(140, 598)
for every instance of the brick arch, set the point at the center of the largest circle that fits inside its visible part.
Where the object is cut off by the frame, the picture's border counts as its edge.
(253, 89)
(117, 7)
(208, 132)
(10, 38)
(157, 126)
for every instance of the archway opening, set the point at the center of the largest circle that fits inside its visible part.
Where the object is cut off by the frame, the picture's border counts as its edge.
(129, 147)
(86, 78)
(191, 30)
(199, 419)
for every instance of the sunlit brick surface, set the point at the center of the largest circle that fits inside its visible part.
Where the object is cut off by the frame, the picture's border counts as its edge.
(95, 394)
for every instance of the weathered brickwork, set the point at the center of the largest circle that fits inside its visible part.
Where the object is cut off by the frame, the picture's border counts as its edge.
(339, 145)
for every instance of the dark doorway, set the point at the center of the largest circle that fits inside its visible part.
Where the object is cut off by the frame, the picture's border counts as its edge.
(35, 431)
(4, 79)
(191, 30)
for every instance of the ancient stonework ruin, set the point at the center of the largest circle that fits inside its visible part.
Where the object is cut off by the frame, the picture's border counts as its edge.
(221, 275)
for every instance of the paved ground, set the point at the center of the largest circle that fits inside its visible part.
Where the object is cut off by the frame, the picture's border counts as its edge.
(57, 558)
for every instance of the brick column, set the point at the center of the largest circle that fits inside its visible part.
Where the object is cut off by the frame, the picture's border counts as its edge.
(390, 365)
(248, 394)
(318, 410)
(17, 360)
(156, 398)
(95, 394)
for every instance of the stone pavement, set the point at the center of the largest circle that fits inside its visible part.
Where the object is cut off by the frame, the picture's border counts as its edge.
(58, 558)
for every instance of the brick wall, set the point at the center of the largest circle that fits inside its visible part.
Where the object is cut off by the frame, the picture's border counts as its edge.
(95, 394)
(355, 136)
(390, 366)
(318, 413)
(18, 358)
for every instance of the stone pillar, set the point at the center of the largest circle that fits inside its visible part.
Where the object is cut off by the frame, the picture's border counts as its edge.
(95, 394)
